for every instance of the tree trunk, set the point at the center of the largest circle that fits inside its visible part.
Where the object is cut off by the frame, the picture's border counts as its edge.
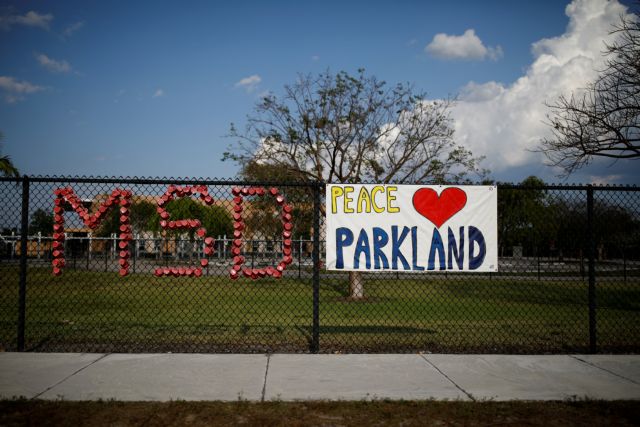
(356, 285)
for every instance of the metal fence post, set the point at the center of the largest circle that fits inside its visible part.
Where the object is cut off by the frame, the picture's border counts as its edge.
(591, 249)
(315, 338)
(24, 230)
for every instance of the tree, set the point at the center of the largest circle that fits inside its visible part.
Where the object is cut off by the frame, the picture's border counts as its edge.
(6, 165)
(263, 214)
(351, 129)
(41, 221)
(605, 120)
(523, 215)
(144, 217)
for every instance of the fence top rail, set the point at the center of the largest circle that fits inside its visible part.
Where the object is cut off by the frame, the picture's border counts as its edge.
(235, 181)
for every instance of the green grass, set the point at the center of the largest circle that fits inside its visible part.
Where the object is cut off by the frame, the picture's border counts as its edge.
(96, 311)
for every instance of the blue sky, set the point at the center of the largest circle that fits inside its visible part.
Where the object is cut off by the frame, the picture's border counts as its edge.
(107, 88)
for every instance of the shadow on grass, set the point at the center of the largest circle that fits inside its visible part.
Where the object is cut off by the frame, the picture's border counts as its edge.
(374, 329)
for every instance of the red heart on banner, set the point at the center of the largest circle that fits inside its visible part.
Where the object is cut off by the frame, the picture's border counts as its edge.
(438, 209)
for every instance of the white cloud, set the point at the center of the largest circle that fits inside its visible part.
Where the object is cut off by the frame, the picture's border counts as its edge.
(52, 64)
(158, 93)
(68, 32)
(468, 46)
(473, 92)
(506, 122)
(249, 83)
(14, 90)
(315, 58)
(29, 19)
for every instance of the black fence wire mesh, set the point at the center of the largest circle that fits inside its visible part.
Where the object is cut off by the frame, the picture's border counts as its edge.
(183, 265)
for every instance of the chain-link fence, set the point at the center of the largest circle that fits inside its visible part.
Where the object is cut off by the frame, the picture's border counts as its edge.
(152, 265)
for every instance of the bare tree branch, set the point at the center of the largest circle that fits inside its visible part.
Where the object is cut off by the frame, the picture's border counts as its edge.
(344, 128)
(605, 120)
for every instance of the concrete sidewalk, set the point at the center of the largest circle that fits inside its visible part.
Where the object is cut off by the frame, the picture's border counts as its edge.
(163, 377)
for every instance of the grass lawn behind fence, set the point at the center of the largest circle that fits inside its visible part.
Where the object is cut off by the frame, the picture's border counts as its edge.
(97, 311)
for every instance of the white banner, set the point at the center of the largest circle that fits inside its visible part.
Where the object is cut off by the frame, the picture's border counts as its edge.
(411, 228)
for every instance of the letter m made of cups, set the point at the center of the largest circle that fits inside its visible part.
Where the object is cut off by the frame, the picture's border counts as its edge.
(119, 199)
